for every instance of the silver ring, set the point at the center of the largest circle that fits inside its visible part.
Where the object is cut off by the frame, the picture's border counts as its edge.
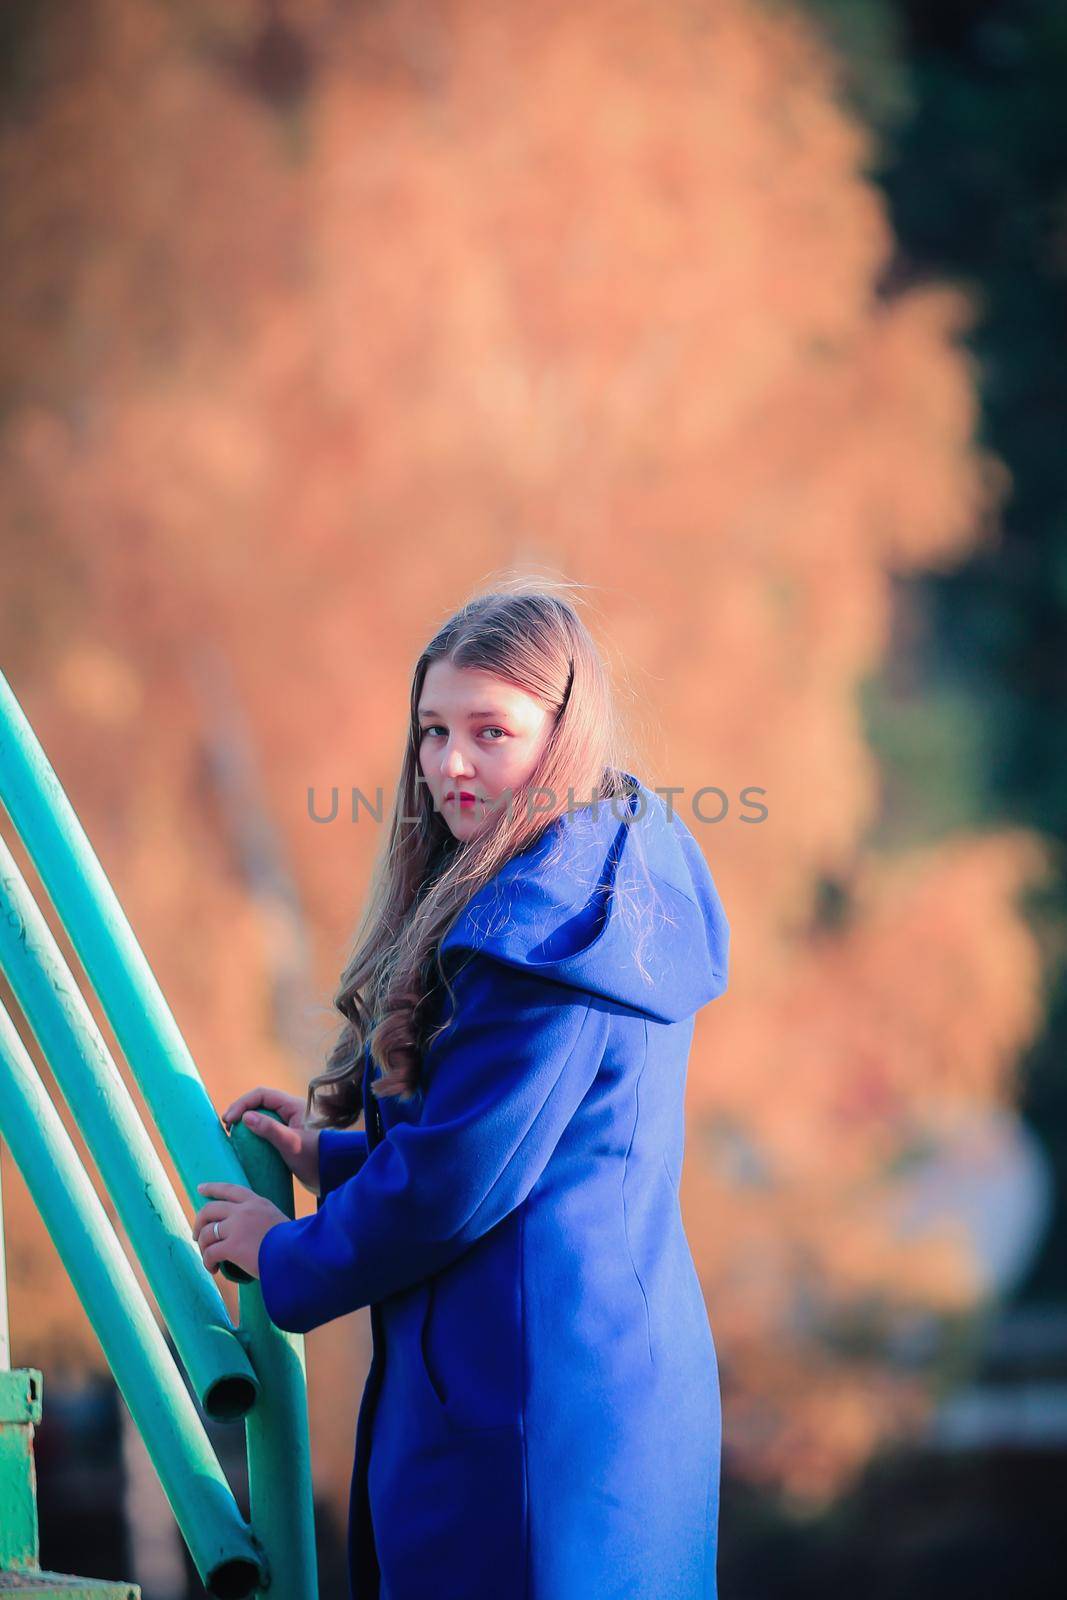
(216, 1230)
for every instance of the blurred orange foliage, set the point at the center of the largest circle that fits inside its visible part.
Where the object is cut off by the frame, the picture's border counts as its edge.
(319, 317)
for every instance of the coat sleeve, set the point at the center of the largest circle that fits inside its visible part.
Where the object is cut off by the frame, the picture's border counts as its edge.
(502, 1083)
(342, 1151)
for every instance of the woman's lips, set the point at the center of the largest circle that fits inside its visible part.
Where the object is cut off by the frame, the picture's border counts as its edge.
(463, 798)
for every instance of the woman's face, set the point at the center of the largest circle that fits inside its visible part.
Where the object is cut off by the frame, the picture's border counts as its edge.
(479, 735)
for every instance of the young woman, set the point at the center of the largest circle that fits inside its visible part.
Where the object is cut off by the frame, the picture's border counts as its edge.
(541, 1419)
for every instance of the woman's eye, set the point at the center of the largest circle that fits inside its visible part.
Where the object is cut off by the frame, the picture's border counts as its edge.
(436, 728)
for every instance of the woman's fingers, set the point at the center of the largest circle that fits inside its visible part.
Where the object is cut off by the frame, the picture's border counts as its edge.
(251, 1097)
(278, 1134)
(213, 1212)
(273, 1099)
(204, 1222)
(225, 1191)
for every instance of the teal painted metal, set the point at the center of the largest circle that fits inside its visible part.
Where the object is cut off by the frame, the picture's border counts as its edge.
(40, 1585)
(256, 1370)
(116, 967)
(221, 1374)
(58, 1586)
(20, 1411)
(276, 1436)
(5, 1337)
(220, 1541)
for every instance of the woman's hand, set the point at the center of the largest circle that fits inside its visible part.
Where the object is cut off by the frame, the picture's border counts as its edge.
(298, 1146)
(244, 1218)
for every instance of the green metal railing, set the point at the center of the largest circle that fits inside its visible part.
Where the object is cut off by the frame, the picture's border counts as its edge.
(254, 1371)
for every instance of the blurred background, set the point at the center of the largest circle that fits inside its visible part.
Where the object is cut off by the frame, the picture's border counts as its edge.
(749, 318)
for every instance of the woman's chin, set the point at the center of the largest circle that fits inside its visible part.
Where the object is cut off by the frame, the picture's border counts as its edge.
(466, 822)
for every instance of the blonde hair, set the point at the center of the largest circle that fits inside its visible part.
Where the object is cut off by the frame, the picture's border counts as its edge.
(532, 638)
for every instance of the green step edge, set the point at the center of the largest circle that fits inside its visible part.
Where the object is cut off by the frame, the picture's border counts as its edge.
(57, 1585)
(20, 1405)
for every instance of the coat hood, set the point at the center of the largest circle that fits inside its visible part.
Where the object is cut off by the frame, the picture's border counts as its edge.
(617, 900)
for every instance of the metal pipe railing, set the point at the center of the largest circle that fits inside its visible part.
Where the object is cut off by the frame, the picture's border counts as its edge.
(114, 963)
(276, 1435)
(255, 1370)
(72, 1044)
(220, 1541)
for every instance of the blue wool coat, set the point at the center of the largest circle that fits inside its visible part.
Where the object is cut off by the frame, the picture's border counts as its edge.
(541, 1418)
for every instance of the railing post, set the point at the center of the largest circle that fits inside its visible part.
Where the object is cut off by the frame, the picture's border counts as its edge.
(20, 1408)
(5, 1328)
(218, 1537)
(257, 1370)
(279, 1450)
(85, 1072)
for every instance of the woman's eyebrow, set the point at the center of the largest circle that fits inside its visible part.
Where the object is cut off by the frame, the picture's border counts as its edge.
(426, 712)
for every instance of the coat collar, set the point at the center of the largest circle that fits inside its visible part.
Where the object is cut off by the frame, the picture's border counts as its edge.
(615, 899)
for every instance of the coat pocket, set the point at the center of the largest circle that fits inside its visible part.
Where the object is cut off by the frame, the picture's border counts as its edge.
(470, 1341)
(432, 1376)
(449, 1512)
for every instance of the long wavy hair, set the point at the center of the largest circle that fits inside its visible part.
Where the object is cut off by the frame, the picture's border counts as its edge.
(532, 638)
